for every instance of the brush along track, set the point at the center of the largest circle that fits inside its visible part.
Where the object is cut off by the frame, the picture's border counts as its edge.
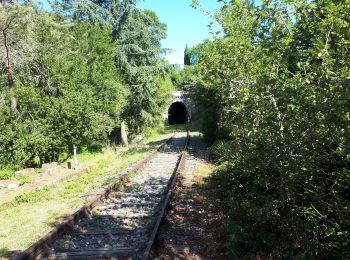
(123, 224)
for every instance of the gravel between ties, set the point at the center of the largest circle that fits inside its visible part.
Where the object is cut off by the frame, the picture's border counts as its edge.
(126, 219)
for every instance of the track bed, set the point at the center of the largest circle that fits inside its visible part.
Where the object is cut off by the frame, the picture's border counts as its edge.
(123, 225)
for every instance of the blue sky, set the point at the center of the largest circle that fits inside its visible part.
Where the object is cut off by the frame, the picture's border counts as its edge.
(185, 24)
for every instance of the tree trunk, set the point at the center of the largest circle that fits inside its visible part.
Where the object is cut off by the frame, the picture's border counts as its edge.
(9, 71)
(123, 134)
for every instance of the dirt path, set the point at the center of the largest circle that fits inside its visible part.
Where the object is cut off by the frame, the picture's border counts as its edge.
(192, 228)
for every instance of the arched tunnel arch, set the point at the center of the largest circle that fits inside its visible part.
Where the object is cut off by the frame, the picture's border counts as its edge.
(177, 114)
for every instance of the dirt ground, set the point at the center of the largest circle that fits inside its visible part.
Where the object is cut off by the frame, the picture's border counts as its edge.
(193, 225)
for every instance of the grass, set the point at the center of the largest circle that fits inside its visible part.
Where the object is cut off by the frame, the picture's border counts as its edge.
(33, 214)
(88, 157)
(153, 134)
(27, 178)
(132, 175)
(6, 173)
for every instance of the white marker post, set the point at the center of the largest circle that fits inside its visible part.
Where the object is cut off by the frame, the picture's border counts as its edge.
(75, 157)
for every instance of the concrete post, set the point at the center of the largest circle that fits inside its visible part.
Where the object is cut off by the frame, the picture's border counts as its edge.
(75, 157)
(123, 134)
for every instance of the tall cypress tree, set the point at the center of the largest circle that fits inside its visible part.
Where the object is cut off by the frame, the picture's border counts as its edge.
(187, 56)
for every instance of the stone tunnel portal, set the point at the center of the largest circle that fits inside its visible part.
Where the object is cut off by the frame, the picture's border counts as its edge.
(177, 114)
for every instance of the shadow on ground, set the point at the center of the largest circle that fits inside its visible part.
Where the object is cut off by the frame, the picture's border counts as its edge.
(193, 226)
(5, 253)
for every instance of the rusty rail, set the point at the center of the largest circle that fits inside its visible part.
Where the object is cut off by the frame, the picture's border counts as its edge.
(42, 246)
(174, 177)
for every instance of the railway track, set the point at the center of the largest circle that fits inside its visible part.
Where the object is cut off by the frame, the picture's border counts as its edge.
(123, 222)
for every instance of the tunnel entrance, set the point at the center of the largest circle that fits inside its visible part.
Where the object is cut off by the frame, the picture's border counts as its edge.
(177, 114)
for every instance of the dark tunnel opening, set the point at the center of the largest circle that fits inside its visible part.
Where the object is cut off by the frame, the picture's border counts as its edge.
(177, 114)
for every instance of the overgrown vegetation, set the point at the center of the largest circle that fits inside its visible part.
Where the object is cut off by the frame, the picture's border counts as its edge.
(274, 93)
(184, 79)
(273, 89)
(71, 75)
(34, 213)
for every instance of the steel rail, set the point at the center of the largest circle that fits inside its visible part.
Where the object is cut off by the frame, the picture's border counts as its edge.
(177, 171)
(43, 245)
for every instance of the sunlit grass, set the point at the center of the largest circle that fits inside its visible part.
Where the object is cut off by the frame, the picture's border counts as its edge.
(6, 173)
(33, 214)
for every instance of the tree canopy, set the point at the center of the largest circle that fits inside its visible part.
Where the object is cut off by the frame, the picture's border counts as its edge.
(73, 74)
(274, 95)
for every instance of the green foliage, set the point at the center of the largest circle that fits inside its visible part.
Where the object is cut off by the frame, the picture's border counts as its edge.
(147, 104)
(25, 179)
(275, 95)
(6, 174)
(64, 99)
(68, 86)
(138, 37)
(183, 79)
(193, 54)
(187, 57)
(32, 197)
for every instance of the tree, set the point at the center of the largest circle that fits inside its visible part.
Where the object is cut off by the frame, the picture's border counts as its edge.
(137, 35)
(68, 85)
(187, 56)
(276, 87)
(13, 16)
(69, 90)
(193, 54)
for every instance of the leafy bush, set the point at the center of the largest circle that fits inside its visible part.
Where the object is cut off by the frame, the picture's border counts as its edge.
(276, 95)
(68, 86)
